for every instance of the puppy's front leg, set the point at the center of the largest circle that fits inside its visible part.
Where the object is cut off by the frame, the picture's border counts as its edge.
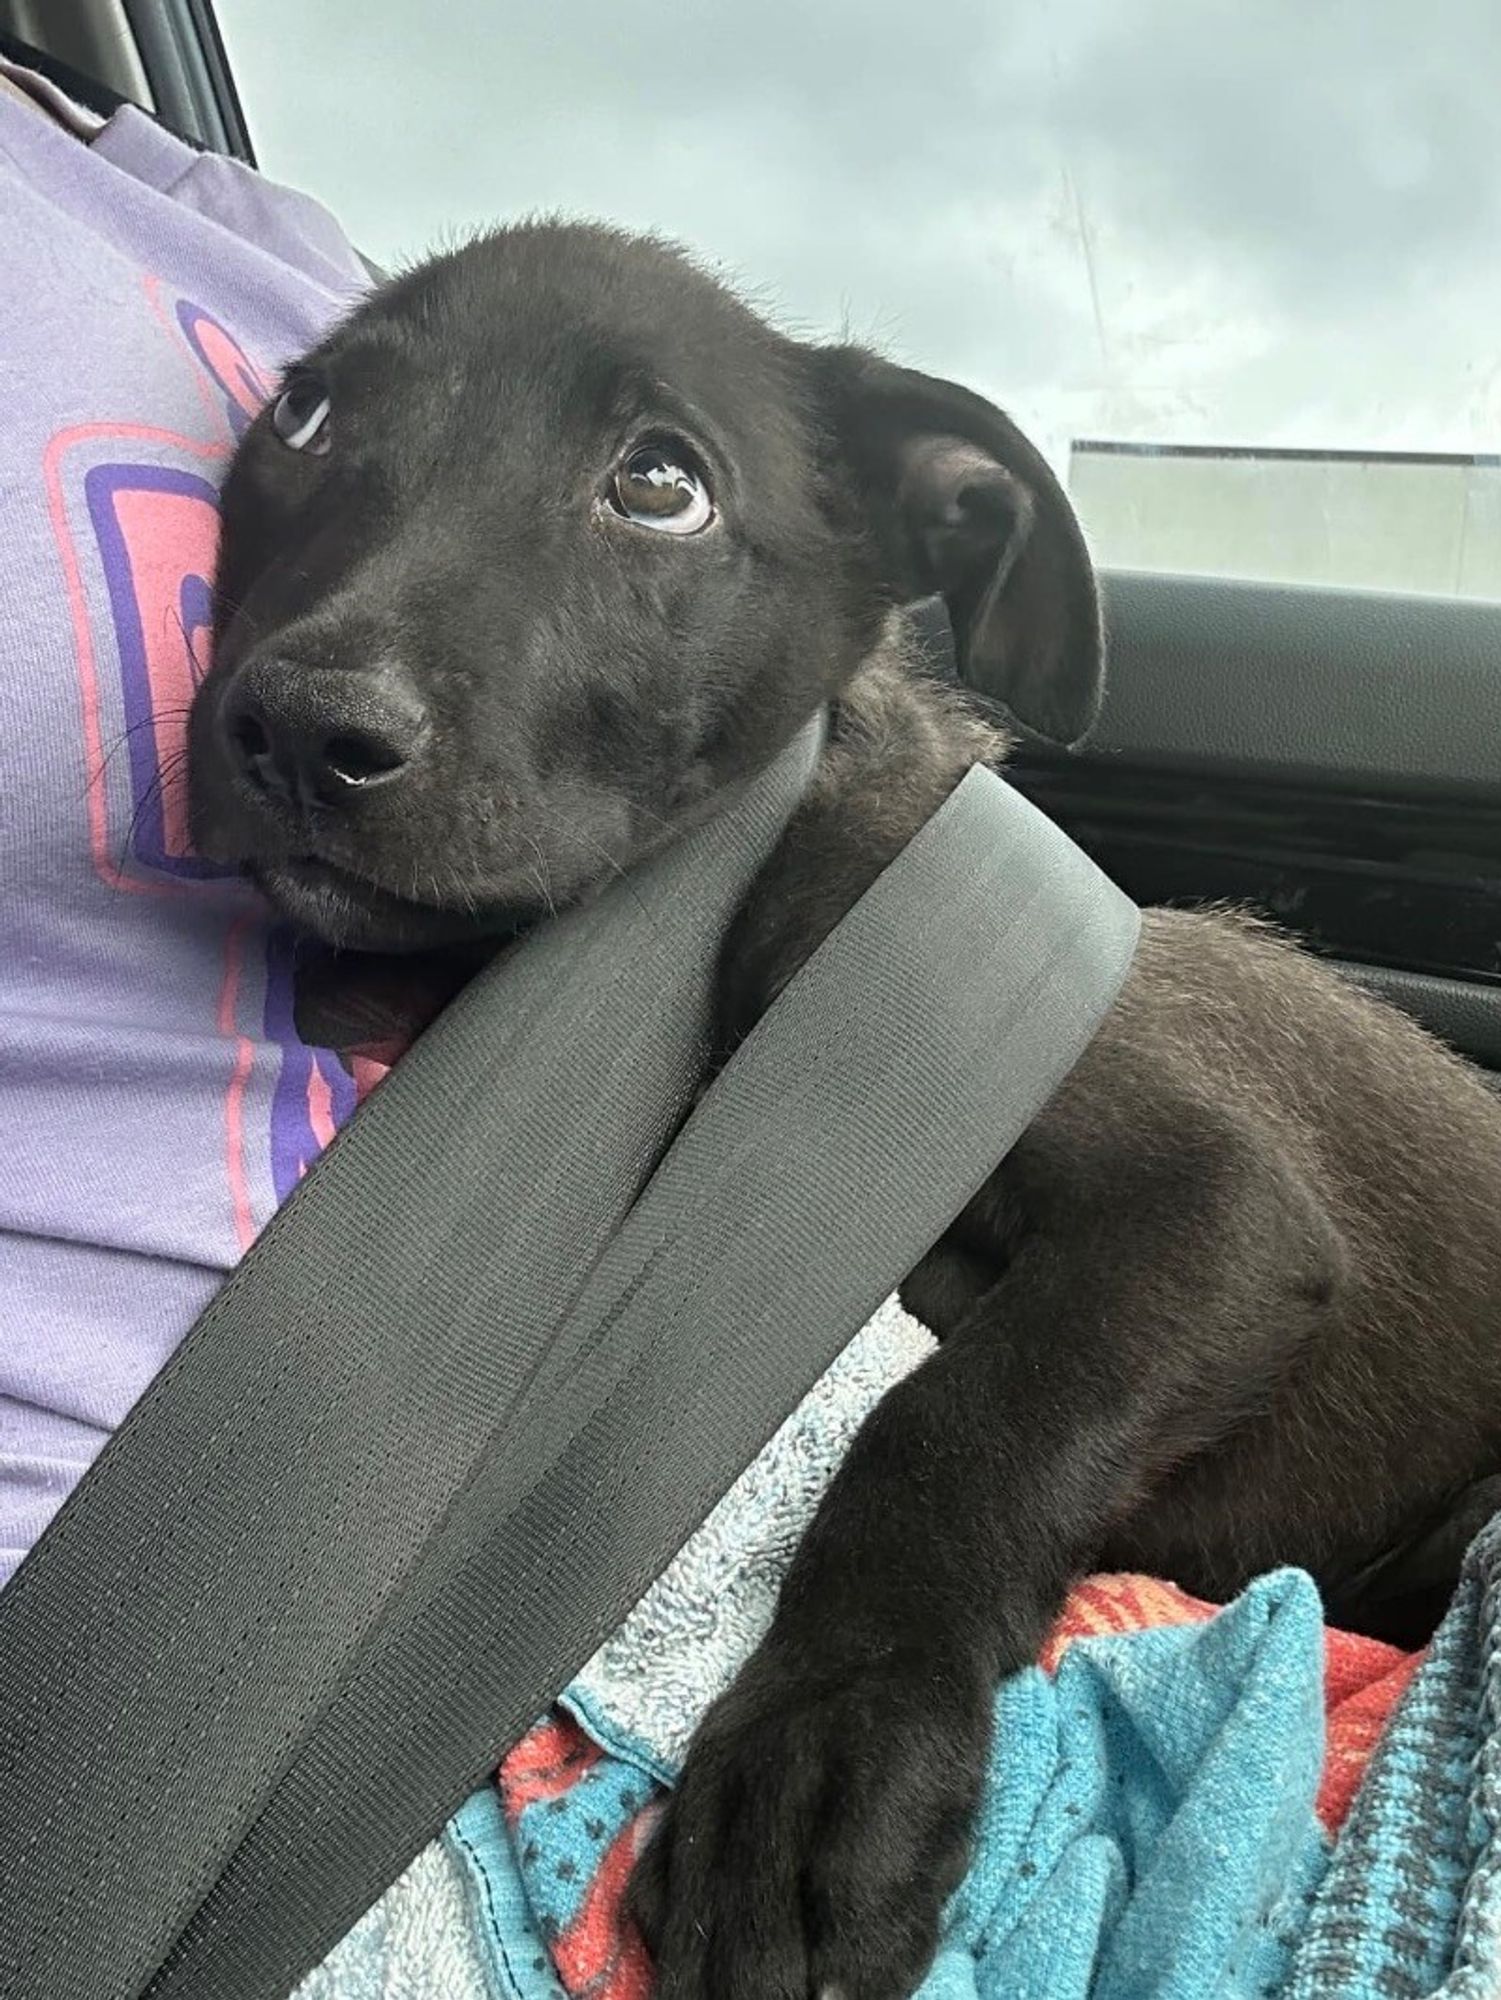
(825, 1808)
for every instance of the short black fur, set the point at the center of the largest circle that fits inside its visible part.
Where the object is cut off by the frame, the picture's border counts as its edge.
(1233, 1300)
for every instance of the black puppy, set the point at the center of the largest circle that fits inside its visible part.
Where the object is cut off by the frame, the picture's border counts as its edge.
(532, 561)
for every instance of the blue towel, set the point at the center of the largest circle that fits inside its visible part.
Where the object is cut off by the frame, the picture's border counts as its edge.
(1147, 1830)
(1148, 1825)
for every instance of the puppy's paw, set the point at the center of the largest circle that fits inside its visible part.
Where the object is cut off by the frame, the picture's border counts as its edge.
(821, 1823)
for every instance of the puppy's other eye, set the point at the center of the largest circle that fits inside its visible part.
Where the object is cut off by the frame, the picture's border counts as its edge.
(300, 416)
(659, 486)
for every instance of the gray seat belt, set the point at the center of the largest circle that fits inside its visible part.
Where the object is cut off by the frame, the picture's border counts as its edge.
(485, 1372)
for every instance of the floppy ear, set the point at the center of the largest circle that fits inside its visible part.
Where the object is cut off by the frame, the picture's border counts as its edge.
(960, 505)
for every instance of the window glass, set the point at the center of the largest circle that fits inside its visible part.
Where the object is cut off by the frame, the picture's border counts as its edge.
(1237, 268)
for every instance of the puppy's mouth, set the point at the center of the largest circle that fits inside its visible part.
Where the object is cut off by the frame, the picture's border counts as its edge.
(355, 914)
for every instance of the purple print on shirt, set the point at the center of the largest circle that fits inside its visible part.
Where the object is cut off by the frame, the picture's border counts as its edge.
(162, 620)
(314, 1091)
(242, 386)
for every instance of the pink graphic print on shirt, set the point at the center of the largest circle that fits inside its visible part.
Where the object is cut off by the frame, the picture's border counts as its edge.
(140, 549)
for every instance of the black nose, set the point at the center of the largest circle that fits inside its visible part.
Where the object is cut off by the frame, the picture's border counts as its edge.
(314, 736)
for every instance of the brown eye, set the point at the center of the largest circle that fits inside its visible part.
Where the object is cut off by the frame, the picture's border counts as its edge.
(659, 486)
(300, 417)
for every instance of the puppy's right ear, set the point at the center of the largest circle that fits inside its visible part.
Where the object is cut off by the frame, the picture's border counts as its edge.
(958, 504)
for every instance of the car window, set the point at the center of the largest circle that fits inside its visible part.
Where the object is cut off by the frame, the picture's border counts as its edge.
(1234, 267)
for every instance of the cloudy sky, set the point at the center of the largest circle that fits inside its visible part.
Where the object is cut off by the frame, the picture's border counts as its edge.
(1202, 221)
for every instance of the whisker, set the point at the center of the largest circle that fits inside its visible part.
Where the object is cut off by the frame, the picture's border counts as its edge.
(143, 806)
(540, 874)
(151, 721)
(155, 792)
(195, 665)
(615, 867)
(226, 605)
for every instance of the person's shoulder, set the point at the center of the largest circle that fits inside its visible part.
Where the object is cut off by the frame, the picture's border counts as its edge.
(278, 220)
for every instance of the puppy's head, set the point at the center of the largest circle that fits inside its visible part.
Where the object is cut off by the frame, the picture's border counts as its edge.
(554, 542)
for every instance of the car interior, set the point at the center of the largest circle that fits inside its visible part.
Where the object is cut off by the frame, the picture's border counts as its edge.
(1329, 756)
(1326, 753)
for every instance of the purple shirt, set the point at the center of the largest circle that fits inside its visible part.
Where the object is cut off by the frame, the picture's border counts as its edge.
(156, 1100)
